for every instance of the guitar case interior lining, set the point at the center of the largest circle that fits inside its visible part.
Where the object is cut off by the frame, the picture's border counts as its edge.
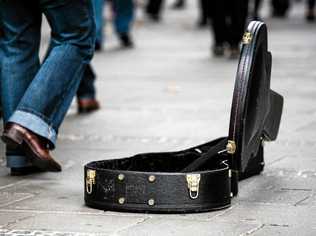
(205, 177)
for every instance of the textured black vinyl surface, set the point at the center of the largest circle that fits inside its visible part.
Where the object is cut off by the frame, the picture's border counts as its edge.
(169, 190)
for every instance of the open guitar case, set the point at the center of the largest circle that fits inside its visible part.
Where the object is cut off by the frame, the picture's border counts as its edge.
(205, 177)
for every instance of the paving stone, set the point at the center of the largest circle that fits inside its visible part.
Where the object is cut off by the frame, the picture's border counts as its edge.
(7, 198)
(183, 227)
(67, 222)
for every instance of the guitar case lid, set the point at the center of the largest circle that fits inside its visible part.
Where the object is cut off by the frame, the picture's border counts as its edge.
(256, 109)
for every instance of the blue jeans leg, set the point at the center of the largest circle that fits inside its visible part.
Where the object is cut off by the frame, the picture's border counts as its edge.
(98, 10)
(19, 61)
(47, 98)
(124, 15)
(86, 87)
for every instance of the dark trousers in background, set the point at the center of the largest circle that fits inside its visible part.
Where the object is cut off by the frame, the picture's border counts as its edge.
(204, 10)
(228, 20)
(311, 4)
(280, 7)
(154, 7)
(86, 87)
(123, 11)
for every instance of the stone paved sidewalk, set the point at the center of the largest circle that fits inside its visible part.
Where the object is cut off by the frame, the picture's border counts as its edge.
(168, 94)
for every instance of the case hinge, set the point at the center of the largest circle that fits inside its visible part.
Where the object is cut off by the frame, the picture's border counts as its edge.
(246, 39)
(90, 180)
(193, 181)
(231, 147)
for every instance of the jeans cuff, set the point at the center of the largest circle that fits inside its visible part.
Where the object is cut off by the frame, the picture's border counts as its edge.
(36, 124)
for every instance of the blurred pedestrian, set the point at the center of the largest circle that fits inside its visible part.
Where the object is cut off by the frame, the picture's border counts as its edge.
(204, 10)
(179, 4)
(36, 97)
(228, 23)
(86, 93)
(123, 12)
(153, 9)
(255, 10)
(310, 12)
(280, 8)
(205, 13)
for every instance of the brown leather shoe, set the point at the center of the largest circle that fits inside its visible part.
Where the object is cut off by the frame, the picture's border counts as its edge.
(35, 148)
(87, 105)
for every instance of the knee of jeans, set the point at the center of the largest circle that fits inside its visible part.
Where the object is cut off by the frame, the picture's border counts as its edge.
(88, 49)
(84, 50)
(88, 53)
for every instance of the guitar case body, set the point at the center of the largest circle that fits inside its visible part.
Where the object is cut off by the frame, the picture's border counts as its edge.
(205, 177)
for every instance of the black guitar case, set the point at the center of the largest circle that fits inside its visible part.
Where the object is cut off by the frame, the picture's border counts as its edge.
(204, 177)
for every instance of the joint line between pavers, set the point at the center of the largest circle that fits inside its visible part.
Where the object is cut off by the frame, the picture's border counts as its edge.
(254, 230)
(302, 200)
(117, 233)
(15, 201)
(12, 185)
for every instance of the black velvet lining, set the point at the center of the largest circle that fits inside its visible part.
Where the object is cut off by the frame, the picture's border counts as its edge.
(164, 162)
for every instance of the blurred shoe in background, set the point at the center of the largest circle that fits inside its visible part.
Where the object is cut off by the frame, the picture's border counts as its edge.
(234, 52)
(126, 41)
(86, 93)
(218, 50)
(87, 105)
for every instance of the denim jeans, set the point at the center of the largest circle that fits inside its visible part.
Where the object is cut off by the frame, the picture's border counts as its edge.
(86, 87)
(38, 96)
(123, 16)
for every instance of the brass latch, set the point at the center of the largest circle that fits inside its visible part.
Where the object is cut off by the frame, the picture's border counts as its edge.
(193, 185)
(231, 147)
(90, 180)
(246, 39)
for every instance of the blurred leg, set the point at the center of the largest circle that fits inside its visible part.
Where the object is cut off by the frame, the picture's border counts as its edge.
(239, 12)
(86, 88)
(179, 4)
(153, 9)
(219, 26)
(124, 15)
(86, 93)
(204, 12)
(98, 6)
(310, 14)
(311, 4)
(280, 7)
